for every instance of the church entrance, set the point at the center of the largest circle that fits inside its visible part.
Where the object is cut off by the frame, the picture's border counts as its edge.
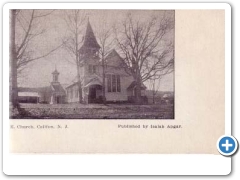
(95, 94)
(58, 99)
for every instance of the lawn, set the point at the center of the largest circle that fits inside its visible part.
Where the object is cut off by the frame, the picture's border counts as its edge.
(92, 111)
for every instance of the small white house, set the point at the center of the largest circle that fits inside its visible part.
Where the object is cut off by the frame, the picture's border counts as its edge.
(28, 97)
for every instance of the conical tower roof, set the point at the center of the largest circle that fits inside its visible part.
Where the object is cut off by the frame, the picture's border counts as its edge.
(89, 39)
(55, 72)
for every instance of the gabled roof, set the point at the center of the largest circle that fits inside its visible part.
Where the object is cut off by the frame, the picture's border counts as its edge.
(133, 85)
(112, 53)
(114, 59)
(71, 85)
(90, 40)
(57, 88)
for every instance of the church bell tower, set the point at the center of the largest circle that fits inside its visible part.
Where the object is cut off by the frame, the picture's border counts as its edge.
(55, 75)
(90, 47)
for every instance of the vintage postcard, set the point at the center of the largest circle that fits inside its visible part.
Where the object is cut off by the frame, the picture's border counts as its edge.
(116, 80)
(92, 64)
(95, 78)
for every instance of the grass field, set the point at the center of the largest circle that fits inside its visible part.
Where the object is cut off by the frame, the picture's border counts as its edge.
(92, 111)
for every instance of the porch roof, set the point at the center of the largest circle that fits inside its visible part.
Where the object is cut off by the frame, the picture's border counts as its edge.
(94, 81)
(29, 94)
(133, 85)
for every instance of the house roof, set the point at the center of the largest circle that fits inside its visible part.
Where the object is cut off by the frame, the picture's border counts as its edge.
(71, 85)
(162, 94)
(27, 89)
(133, 85)
(37, 89)
(90, 40)
(29, 94)
(57, 88)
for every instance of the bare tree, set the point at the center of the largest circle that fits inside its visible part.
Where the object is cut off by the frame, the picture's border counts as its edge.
(156, 76)
(154, 85)
(13, 59)
(24, 24)
(105, 41)
(142, 44)
(75, 20)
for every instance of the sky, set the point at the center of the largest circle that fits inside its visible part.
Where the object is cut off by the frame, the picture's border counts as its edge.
(39, 72)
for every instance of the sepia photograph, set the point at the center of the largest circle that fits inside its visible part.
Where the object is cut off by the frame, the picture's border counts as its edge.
(92, 64)
(129, 81)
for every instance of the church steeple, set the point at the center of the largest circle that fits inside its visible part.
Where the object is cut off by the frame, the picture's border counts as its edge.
(90, 44)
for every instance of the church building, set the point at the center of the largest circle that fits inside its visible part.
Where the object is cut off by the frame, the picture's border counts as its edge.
(58, 94)
(119, 85)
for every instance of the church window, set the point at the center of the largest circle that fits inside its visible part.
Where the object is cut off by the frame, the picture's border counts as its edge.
(118, 84)
(68, 94)
(109, 83)
(76, 91)
(71, 93)
(113, 83)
